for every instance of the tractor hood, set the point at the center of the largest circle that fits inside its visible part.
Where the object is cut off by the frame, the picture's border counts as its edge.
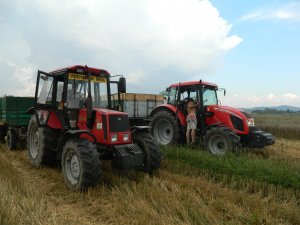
(108, 111)
(232, 117)
(229, 110)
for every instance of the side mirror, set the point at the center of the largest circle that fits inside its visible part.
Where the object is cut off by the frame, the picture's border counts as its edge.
(122, 85)
(222, 89)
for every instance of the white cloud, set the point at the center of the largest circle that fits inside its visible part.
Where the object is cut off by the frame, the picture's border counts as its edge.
(271, 97)
(136, 77)
(290, 96)
(156, 40)
(289, 12)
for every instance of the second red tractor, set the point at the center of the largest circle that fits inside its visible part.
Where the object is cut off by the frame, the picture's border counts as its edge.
(220, 128)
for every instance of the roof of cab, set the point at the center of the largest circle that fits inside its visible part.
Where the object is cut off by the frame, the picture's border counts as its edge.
(74, 68)
(193, 83)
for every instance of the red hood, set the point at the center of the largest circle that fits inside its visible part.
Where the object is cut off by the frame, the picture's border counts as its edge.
(227, 109)
(109, 111)
(223, 114)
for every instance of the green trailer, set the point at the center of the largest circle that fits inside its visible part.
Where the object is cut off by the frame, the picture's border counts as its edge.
(14, 119)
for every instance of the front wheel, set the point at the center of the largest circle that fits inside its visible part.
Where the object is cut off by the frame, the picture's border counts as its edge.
(151, 151)
(219, 140)
(81, 165)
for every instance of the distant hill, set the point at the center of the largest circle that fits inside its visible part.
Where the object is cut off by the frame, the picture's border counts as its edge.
(279, 108)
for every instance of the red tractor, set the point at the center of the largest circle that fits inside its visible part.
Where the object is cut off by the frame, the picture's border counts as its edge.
(73, 122)
(220, 128)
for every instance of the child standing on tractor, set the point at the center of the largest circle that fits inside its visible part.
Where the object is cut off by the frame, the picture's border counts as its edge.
(191, 121)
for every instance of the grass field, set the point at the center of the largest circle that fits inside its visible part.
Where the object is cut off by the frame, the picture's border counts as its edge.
(192, 187)
(281, 125)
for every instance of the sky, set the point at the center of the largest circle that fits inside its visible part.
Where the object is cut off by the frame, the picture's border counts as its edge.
(251, 48)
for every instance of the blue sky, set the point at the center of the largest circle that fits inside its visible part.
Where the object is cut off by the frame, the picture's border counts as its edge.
(251, 48)
(264, 68)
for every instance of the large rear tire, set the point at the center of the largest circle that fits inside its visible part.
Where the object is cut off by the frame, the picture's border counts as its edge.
(164, 128)
(11, 140)
(41, 143)
(151, 151)
(81, 165)
(220, 139)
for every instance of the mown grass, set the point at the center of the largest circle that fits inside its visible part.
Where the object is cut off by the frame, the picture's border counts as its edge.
(242, 166)
(180, 193)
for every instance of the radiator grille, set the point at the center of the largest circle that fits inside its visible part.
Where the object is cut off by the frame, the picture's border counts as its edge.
(118, 123)
(237, 123)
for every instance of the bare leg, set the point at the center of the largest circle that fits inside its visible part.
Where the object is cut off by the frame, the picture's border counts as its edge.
(193, 134)
(187, 135)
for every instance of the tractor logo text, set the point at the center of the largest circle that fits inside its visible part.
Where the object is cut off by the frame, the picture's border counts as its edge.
(74, 76)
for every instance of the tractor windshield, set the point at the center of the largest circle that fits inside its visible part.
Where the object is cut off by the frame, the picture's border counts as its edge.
(209, 96)
(78, 91)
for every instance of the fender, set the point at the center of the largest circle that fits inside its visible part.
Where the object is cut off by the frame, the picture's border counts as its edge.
(181, 117)
(214, 125)
(72, 134)
(31, 110)
(135, 129)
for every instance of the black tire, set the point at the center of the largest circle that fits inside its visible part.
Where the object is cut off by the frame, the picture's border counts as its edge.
(2, 134)
(220, 139)
(151, 151)
(164, 128)
(81, 165)
(11, 140)
(41, 143)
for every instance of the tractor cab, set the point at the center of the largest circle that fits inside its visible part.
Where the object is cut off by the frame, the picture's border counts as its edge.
(203, 93)
(70, 89)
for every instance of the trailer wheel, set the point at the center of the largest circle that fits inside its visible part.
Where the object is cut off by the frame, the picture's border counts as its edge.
(220, 139)
(151, 151)
(11, 139)
(164, 128)
(2, 134)
(41, 143)
(81, 165)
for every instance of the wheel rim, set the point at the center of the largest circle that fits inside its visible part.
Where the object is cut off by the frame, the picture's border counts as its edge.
(163, 131)
(218, 145)
(34, 143)
(72, 167)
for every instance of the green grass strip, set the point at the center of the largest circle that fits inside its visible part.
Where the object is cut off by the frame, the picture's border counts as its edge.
(245, 166)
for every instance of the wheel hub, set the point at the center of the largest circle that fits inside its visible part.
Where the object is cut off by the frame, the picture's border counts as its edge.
(218, 144)
(35, 145)
(163, 132)
(72, 168)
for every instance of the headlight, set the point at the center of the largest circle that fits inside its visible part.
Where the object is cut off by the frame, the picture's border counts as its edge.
(250, 122)
(126, 137)
(114, 137)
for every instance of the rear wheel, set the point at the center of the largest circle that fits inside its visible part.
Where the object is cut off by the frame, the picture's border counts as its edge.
(151, 151)
(41, 143)
(81, 165)
(219, 140)
(11, 139)
(164, 128)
